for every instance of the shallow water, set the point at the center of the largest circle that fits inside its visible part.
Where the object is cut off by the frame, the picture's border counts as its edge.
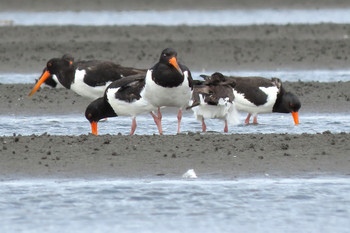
(155, 205)
(77, 124)
(180, 17)
(284, 75)
(269, 123)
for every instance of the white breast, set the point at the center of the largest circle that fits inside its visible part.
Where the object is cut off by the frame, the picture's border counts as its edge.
(167, 96)
(124, 108)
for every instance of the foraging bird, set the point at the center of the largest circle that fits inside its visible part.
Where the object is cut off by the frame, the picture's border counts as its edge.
(168, 84)
(122, 98)
(261, 95)
(214, 99)
(88, 78)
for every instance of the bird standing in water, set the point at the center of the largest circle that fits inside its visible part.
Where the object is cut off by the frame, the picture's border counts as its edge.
(214, 99)
(261, 95)
(168, 84)
(122, 98)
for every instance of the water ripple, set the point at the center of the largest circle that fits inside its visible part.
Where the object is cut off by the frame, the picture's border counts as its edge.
(179, 17)
(78, 125)
(245, 205)
(284, 75)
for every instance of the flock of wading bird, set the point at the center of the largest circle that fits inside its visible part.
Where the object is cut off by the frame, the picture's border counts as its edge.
(125, 91)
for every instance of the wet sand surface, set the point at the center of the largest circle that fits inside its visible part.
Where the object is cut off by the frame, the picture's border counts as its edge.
(214, 48)
(204, 48)
(211, 156)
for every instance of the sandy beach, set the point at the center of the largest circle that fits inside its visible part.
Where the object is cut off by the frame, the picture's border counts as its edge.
(26, 49)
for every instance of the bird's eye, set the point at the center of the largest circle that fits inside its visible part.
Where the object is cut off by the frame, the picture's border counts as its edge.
(49, 64)
(164, 54)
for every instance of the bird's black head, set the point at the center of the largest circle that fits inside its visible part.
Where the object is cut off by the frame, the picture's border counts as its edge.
(97, 110)
(93, 112)
(69, 58)
(56, 65)
(290, 102)
(169, 57)
(63, 65)
(167, 54)
(218, 76)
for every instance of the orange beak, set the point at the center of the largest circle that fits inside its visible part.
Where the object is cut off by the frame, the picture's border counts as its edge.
(295, 117)
(94, 127)
(173, 62)
(41, 80)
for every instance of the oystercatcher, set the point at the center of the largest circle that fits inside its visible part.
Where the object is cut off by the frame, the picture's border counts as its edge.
(122, 98)
(88, 78)
(261, 95)
(214, 99)
(168, 84)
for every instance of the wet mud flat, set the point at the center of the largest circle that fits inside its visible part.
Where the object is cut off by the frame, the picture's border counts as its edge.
(211, 155)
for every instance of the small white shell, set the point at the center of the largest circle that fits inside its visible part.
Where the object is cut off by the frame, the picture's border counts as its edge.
(190, 174)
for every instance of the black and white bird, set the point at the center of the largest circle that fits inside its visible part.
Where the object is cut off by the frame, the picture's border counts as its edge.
(168, 84)
(121, 98)
(214, 99)
(88, 78)
(261, 95)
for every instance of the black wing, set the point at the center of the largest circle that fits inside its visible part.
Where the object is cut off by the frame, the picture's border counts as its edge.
(98, 73)
(250, 88)
(129, 87)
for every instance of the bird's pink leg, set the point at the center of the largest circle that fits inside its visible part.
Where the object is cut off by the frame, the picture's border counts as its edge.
(133, 126)
(179, 117)
(248, 118)
(226, 127)
(255, 120)
(158, 120)
(204, 127)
